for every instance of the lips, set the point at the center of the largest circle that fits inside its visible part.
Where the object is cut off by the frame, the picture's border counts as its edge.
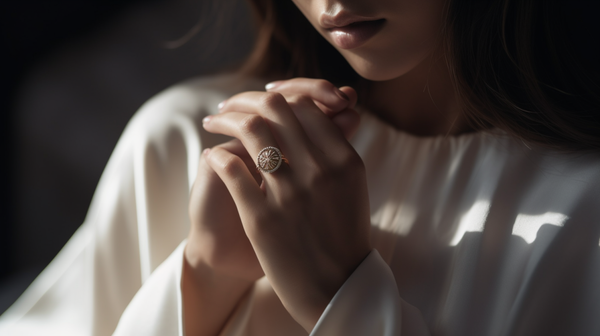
(355, 34)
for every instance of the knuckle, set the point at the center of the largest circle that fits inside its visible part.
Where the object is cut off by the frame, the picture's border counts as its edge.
(272, 99)
(300, 100)
(232, 165)
(320, 179)
(252, 124)
(348, 168)
(323, 85)
(321, 175)
(294, 197)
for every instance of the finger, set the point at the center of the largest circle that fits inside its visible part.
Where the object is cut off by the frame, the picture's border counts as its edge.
(251, 129)
(322, 131)
(346, 120)
(204, 181)
(232, 170)
(281, 120)
(254, 134)
(236, 147)
(344, 125)
(322, 91)
(328, 98)
(352, 95)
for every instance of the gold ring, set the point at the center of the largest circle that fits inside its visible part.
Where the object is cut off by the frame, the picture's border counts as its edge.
(269, 159)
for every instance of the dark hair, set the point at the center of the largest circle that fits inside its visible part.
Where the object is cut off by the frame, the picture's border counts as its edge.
(528, 67)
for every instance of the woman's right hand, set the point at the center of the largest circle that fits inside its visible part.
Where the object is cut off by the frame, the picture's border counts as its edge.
(216, 238)
(220, 264)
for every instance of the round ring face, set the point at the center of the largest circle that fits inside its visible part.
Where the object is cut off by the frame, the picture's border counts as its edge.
(269, 159)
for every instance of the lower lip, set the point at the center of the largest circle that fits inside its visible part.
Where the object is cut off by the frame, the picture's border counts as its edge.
(356, 34)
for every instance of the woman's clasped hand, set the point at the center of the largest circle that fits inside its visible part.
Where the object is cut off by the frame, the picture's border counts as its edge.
(306, 225)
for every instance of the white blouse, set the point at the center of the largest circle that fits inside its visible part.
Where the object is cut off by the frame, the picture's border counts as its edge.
(474, 235)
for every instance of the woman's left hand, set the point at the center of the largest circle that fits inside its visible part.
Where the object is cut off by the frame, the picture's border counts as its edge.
(309, 221)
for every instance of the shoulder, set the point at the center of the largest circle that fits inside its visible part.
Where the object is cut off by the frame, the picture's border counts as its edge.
(170, 123)
(487, 167)
(192, 99)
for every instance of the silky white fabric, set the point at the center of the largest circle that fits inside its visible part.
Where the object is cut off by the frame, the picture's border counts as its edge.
(474, 235)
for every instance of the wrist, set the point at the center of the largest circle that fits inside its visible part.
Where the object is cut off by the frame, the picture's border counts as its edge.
(308, 294)
(203, 269)
(209, 297)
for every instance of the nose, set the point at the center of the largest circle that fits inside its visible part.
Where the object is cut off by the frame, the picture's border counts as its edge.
(337, 15)
(330, 15)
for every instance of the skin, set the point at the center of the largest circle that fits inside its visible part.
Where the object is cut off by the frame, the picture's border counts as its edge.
(409, 36)
(403, 60)
(306, 226)
(220, 263)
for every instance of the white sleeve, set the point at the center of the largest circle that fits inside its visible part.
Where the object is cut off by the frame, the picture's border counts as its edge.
(156, 309)
(368, 303)
(122, 266)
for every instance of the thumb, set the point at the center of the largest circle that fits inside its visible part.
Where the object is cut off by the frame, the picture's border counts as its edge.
(351, 94)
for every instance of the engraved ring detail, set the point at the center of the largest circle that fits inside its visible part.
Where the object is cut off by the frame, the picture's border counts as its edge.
(269, 159)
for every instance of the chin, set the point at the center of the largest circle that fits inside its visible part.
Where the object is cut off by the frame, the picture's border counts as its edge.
(377, 74)
(377, 68)
(374, 71)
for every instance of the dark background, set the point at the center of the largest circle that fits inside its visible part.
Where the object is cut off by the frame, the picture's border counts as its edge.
(72, 73)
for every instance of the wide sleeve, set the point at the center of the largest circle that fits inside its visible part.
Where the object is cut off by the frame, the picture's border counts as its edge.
(156, 309)
(368, 303)
(123, 265)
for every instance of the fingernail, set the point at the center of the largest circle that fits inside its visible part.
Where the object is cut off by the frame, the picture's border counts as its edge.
(341, 94)
(221, 104)
(272, 85)
(206, 120)
(206, 151)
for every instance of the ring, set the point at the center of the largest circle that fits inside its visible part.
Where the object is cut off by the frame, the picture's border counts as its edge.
(269, 159)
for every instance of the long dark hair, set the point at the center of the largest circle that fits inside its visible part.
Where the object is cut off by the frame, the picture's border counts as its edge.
(528, 67)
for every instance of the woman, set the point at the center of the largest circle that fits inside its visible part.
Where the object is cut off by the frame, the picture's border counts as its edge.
(465, 202)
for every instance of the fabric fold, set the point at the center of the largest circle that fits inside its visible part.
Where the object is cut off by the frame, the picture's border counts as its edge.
(458, 225)
(368, 303)
(156, 309)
